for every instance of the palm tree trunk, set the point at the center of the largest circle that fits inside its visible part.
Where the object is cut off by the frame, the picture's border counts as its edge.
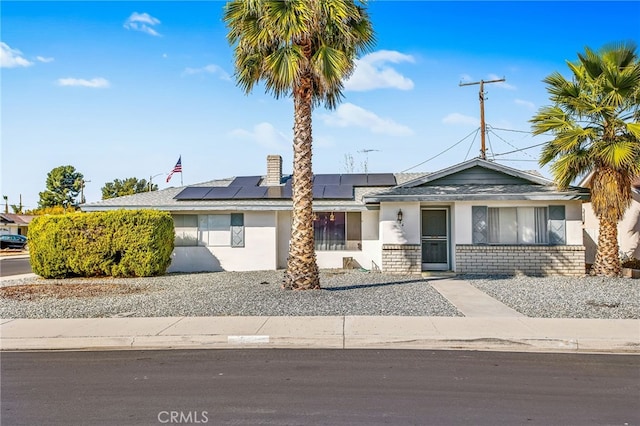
(607, 262)
(302, 269)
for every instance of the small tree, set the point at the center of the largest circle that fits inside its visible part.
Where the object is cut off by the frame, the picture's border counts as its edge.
(595, 130)
(64, 184)
(129, 186)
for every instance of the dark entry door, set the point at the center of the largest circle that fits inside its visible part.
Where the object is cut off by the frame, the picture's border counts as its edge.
(435, 239)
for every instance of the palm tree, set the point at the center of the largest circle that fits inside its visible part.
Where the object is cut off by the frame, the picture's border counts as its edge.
(594, 121)
(304, 49)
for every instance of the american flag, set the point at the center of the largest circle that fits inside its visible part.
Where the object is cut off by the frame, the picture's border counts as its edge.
(176, 169)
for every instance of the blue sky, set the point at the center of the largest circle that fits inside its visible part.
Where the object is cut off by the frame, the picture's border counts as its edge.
(121, 89)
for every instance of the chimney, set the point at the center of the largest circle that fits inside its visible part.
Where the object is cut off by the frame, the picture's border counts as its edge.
(274, 170)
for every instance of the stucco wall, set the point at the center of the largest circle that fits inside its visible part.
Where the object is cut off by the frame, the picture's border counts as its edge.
(258, 252)
(628, 230)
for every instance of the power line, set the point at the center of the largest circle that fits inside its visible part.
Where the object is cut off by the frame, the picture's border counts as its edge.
(437, 155)
(521, 149)
(511, 130)
(508, 143)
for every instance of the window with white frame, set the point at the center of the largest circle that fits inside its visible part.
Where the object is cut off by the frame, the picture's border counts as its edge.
(211, 230)
(337, 231)
(186, 229)
(519, 225)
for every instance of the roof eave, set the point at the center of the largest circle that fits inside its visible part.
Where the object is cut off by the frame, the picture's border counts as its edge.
(479, 197)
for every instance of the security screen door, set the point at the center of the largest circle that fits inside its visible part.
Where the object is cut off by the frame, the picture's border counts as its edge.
(435, 239)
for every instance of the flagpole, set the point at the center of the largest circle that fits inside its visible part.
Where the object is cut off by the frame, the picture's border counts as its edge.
(181, 184)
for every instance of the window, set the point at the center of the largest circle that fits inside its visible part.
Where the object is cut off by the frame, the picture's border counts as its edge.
(214, 230)
(337, 231)
(518, 225)
(186, 228)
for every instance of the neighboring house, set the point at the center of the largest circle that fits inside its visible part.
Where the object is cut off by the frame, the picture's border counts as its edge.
(475, 217)
(628, 227)
(11, 223)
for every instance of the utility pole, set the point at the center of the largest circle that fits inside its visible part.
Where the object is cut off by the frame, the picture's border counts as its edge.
(483, 148)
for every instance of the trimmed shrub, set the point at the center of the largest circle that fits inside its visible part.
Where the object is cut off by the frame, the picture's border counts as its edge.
(123, 243)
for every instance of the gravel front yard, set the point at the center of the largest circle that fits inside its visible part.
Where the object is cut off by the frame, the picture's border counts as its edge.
(343, 293)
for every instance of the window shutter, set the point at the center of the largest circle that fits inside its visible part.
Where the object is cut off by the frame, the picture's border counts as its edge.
(479, 224)
(237, 230)
(557, 227)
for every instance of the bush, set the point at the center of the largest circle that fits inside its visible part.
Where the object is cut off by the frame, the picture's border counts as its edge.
(123, 243)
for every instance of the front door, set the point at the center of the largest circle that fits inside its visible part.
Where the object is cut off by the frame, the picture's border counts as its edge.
(435, 239)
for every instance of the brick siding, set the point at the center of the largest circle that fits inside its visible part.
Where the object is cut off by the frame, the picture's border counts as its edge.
(520, 260)
(401, 258)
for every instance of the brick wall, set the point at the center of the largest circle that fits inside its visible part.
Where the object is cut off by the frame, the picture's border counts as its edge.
(401, 258)
(520, 260)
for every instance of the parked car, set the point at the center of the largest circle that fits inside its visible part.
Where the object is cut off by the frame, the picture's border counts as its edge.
(13, 241)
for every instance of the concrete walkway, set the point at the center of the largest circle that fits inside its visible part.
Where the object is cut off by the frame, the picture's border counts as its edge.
(487, 325)
(472, 302)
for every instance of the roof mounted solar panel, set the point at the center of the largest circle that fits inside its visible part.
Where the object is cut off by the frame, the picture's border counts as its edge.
(246, 181)
(381, 179)
(354, 179)
(326, 179)
(318, 191)
(338, 192)
(251, 192)
(221, 193)
(192, 193)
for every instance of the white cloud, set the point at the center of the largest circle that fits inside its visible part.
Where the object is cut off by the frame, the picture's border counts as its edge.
(96, 83)
(142, 22)
(11, 58)
(263, 134)
(208, 69)
(527, 104)
(372, 72)
(457, 118)
(502, 84)
(43, 59)
(348, 115)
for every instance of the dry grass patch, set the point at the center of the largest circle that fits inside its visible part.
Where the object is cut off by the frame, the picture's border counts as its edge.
(28, 292)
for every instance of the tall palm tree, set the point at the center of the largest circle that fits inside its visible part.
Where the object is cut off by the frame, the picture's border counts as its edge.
(304, 49)
(594, 121)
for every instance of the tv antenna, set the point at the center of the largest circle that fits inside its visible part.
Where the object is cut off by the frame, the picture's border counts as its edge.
(483, 149)
(366, 152)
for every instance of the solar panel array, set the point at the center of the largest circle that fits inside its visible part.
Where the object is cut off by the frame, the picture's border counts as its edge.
(325, 186)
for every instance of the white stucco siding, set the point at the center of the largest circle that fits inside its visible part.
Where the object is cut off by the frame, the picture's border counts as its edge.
(258, 253)
(628, 230)
(573, 217)
(407, 232)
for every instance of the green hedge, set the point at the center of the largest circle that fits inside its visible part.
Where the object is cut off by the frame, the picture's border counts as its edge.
(122, 243)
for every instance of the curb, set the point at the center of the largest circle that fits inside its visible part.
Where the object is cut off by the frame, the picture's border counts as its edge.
(325, 342)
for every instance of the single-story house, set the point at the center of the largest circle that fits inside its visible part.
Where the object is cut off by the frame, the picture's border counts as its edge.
(12, 223)
(474, 217)
(628, 227)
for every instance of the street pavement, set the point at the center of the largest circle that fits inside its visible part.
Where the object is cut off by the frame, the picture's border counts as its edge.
(487, 325)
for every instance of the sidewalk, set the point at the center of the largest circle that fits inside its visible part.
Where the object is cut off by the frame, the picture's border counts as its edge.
(487, 325)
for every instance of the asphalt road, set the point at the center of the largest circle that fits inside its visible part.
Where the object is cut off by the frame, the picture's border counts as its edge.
(10, 265)
(330, 387)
